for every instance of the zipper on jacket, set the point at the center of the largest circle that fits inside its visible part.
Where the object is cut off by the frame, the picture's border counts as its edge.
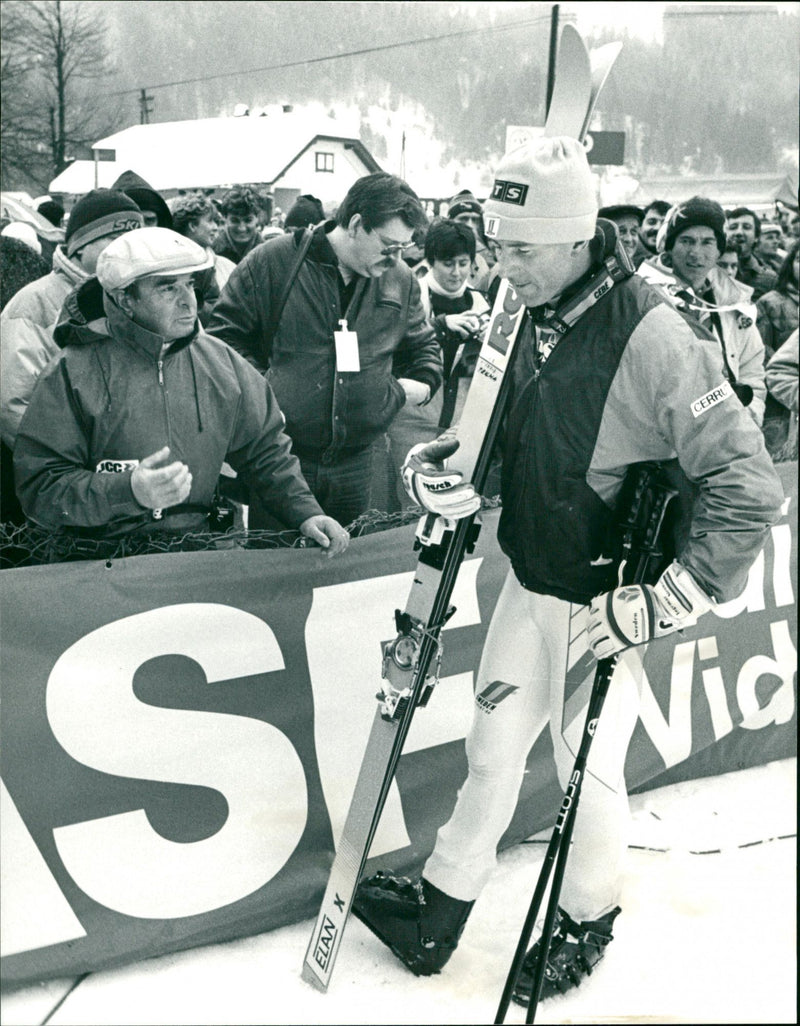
(160, 366)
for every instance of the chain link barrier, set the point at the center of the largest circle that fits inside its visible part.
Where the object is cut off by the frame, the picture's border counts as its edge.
(27, 545)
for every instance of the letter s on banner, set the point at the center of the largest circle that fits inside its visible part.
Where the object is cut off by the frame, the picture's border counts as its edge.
(120, 860)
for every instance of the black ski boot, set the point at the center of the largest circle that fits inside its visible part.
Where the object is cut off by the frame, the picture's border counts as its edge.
(575, 950)
(420, 923)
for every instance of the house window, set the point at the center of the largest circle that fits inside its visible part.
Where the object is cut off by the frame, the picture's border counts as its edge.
(324, 161)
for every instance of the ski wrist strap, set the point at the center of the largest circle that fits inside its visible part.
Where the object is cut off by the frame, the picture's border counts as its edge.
(614, 268)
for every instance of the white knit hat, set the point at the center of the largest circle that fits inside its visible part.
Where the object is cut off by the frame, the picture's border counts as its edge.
(543, 193)
(149, 251)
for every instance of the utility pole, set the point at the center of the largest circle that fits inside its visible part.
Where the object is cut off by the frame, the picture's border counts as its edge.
(145, 110)
(551, 63)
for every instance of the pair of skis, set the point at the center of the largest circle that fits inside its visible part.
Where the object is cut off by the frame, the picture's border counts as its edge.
(411, 660)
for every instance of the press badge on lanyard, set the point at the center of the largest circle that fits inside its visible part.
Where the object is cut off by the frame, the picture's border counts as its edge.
(346, 349)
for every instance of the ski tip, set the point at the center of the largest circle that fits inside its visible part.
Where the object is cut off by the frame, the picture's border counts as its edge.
(604, 56)
(572, 36)
(311, 977)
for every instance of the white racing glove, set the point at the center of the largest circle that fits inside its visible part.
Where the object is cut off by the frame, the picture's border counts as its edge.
(432, 486)
(635, 613)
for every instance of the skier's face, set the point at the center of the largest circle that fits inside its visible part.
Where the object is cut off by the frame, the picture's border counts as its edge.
(540, 272)
(694, 253)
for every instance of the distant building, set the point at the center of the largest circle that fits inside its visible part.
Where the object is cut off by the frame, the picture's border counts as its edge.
(730, 190)
(287, 154)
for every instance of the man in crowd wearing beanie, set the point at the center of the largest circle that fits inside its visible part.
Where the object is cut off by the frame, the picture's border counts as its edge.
(27, 322)
(128, 429)
(608, 375)
(240, 228)
(628, 219)
(352, 345)
(691, 241)
(742, 229)
(463, 207)
(654, 214)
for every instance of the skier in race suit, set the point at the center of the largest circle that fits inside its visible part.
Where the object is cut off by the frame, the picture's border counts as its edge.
(608, 375)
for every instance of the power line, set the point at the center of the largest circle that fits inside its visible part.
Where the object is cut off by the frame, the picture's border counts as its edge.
(338, 56)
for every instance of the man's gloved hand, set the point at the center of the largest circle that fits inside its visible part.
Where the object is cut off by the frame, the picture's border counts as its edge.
(436, 489)
(635, 613)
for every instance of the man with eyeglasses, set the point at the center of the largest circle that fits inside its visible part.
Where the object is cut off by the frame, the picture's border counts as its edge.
(350, 346)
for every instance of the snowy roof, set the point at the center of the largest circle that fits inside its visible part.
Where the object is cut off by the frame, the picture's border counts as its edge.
(78, 178)
(206, 152)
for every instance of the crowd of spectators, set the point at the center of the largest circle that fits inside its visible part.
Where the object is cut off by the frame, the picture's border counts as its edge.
(363, 323)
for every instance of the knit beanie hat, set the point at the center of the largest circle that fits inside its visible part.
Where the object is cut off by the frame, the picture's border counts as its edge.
(695, 211)
(100, 212)
(463, 203)
(304, 212)
(543, 193)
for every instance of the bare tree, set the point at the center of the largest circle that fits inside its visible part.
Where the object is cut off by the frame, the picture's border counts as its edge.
(53, 57)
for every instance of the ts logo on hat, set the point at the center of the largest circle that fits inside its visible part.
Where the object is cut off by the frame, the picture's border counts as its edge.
(509, 192)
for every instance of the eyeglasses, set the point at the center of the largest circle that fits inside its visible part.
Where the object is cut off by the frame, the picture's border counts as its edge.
(392, 248)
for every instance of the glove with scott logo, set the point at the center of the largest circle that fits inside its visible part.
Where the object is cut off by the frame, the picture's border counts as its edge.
(635, 613)
(432, 486)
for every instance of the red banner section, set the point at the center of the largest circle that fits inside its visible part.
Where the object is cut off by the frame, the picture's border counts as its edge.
(181, 733)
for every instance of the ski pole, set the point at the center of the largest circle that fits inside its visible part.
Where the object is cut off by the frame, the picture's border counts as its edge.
(643, 541)
(559, 844)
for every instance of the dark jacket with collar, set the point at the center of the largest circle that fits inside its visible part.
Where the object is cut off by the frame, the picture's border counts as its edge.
(328, 414)
(111, 398)
(758, 276)
(225, 246)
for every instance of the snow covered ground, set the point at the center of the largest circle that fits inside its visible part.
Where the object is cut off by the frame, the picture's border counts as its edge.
(707, 935)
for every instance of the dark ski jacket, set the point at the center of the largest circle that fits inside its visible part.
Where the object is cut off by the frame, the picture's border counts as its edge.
(630, 381)
(225, 246)
(329, 415)
(110, 398)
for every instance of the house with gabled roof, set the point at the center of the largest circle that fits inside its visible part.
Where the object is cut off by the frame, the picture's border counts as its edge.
(285, 153)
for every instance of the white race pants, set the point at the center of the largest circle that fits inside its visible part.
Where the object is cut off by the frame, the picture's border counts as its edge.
(531, 643)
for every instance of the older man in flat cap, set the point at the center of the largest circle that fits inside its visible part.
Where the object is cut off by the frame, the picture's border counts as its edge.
(128, 428)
